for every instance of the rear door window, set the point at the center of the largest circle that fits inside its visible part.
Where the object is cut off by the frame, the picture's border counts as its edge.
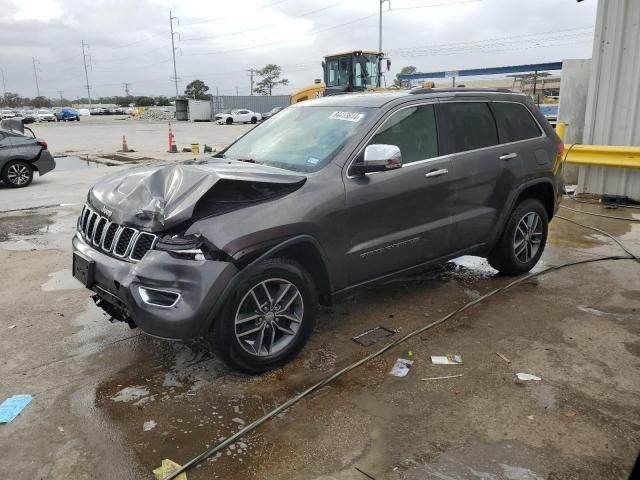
(467, 126)
(514, 122)
(413, 130)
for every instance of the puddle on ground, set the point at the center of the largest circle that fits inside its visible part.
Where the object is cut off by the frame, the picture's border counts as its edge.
(64, 164)
(23, 224)
(37, 230)
(61, 280)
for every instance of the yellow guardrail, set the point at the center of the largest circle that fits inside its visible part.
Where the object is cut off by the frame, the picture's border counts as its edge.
(599, 155)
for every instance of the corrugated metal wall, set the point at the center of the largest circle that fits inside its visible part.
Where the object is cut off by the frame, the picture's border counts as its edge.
(613, 105)
(255, 103)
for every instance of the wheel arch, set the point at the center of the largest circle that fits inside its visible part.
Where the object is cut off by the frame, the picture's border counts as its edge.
(541, 189)
(304, 249)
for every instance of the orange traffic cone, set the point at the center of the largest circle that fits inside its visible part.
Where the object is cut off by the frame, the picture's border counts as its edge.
(125, 147)
(172, 142)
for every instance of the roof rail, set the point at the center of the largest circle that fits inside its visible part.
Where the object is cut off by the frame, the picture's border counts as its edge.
(419, 90)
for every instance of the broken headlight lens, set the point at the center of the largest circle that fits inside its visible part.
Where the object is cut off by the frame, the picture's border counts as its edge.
(191, 247)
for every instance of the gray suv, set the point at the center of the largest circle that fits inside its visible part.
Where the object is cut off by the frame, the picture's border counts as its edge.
(328, 196)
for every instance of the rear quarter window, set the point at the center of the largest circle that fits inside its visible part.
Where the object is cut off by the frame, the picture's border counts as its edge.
(468, 126)
(514, 122)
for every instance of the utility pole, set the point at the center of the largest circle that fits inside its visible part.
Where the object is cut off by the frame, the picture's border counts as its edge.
(86, 75)
(251, 72)
(126, 88)
(173, 50)
(379, 80)
(237, 91)
(60, 92)
(35, 73)
(4, 85)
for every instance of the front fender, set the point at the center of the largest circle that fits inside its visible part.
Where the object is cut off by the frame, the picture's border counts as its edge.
(244, 272)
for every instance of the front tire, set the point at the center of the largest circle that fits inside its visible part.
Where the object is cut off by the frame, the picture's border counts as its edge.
(268, 319)
(254, 120)
(523, 240)
(17, 174)
(229, 121)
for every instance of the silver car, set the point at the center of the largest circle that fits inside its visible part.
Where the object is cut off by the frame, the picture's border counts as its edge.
(21, 155)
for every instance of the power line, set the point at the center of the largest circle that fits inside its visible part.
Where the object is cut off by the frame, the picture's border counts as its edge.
(261, 27)
(215, 20)
(322, 30)
(472, 43)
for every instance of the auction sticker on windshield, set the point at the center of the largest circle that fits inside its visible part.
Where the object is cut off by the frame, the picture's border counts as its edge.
(348, 116)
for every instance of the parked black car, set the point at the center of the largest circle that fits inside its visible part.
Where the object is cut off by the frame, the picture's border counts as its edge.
(330, 195)
(21, 155)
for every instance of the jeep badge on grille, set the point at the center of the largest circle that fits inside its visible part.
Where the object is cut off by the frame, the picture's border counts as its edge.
(106, 211)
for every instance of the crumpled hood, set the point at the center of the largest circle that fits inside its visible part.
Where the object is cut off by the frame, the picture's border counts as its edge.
(158, 197)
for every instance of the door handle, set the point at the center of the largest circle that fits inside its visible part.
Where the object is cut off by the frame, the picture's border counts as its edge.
(508, 156)
(437, 173)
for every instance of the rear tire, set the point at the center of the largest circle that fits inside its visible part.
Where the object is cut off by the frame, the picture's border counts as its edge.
(523, 240)
(267, 319)
(17, 174)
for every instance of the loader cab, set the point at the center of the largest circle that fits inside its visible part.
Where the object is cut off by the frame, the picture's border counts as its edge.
(355, 71)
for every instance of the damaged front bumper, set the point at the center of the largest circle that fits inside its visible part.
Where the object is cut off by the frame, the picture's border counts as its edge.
(164, 296)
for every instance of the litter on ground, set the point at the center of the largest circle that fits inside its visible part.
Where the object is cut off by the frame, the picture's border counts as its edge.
(12, 406)
(167, 468)
(441, 378)
(149, 425)
(372, 336)
(448, 359)
(503, 357)
(401, 367)
(525, 377)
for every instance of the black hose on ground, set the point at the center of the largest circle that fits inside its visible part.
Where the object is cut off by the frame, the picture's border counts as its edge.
(620, 244)
(295, 399)
(601, 214)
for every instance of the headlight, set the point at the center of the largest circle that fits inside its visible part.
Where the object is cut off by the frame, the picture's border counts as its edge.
(191, 247)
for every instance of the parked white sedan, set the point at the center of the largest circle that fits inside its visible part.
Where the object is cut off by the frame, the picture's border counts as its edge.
(238, 116)
(46, 116)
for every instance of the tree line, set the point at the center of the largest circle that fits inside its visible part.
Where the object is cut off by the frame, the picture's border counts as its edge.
(14, 100)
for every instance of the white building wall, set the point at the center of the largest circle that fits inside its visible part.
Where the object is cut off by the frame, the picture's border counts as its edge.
(613, 105)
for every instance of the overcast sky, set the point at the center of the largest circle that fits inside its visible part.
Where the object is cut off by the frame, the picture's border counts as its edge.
(129, 40)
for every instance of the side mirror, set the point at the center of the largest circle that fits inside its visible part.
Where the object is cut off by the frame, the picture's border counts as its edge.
(388, 64)
(378, 158)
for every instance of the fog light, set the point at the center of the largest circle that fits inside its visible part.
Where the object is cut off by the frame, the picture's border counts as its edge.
(159, 298)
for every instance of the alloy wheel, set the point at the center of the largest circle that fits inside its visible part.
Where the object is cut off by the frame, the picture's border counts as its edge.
(528, 237)
(18, 174)
(269, 317)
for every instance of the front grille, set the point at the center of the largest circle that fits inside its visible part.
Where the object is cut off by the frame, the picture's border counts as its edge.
(143, 244)
(112, 238)
(97, 236)
(122, 245)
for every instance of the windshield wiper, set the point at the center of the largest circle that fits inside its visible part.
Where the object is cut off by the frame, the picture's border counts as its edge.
(248, 160)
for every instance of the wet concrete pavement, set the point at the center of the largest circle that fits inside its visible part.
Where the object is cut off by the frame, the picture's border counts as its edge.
(111, 403)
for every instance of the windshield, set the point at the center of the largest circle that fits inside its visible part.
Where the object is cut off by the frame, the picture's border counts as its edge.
(365, 71)
(302, 139)
(337, 72)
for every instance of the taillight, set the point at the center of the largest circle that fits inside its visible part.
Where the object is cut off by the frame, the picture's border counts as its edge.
(43, 144)
(560, 148)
